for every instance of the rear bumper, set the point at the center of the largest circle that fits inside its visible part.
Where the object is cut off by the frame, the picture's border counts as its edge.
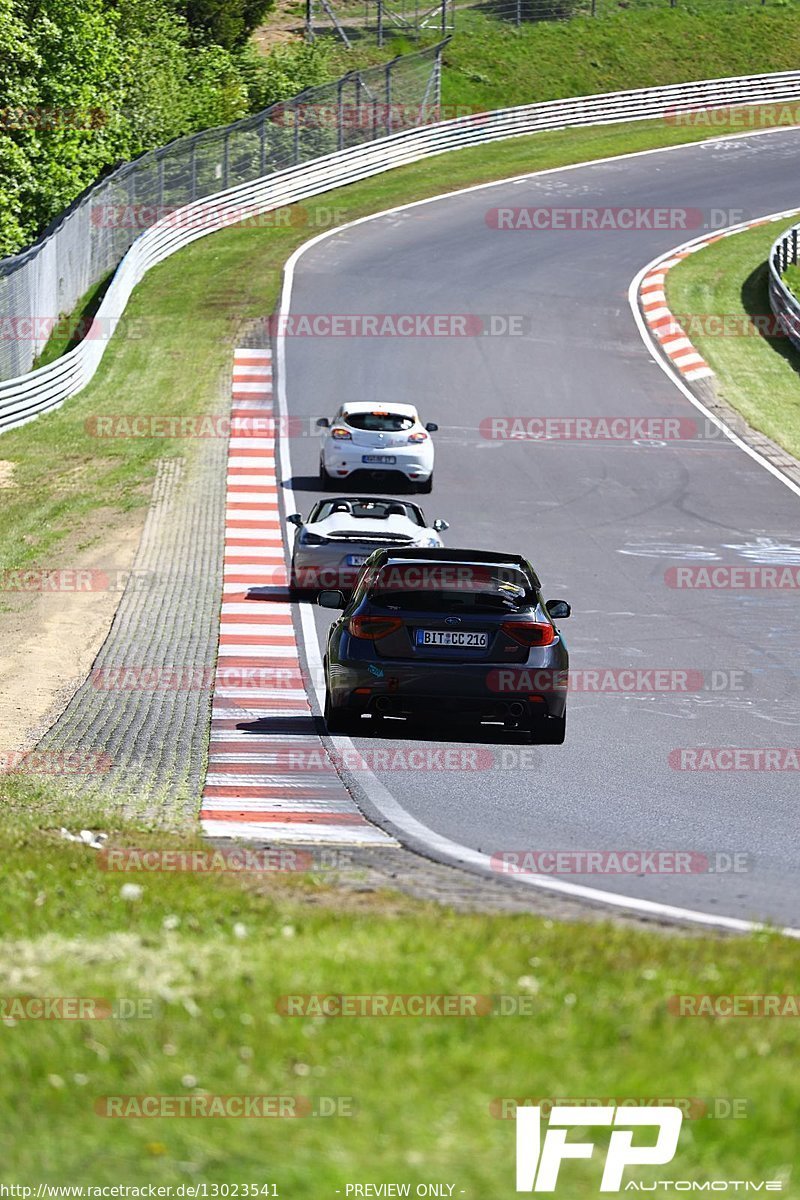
(416, 467)
(470, 691)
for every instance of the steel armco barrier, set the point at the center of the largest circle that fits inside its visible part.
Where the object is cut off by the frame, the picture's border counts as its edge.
(48, 387)
(783, 302)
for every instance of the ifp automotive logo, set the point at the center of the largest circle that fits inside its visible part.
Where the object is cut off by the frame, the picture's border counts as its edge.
(539, 1159)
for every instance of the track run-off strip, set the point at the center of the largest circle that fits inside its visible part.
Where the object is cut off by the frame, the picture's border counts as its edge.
(269, 775)
(664, 327)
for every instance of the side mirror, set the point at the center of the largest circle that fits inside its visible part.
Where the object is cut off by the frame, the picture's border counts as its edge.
(330, 599)
(323, 423)
(439, 525)
(294, 519)
(431, 427)
(559, 609)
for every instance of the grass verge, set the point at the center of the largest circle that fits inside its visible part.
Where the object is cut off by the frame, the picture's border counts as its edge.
(213, 955)
(756, 374)
(491, 64)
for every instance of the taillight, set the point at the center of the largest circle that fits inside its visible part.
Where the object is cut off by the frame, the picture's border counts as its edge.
(529, 633)
(418, 437)
(373, 628)
(341, 435)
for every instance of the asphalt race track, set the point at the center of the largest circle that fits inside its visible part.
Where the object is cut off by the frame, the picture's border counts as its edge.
(602, 521)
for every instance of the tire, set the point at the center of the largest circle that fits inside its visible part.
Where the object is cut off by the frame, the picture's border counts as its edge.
(324, 477)
(427, 487)
(550, 731)
(338, 720)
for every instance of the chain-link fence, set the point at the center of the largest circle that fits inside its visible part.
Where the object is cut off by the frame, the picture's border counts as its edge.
(88, 240)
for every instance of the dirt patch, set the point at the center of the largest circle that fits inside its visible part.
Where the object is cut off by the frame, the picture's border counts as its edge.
(286, 24)
(7, 474)
(50, 636)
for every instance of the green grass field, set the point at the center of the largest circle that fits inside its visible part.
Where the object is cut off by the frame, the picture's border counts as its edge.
(756, 374)
(491, 64)
(213, 955)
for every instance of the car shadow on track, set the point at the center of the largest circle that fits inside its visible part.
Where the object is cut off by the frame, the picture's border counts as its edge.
(300, 725)
(398, 729)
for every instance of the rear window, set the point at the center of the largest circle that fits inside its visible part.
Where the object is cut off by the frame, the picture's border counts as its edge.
(448, 587)
(379, 421)
(367, 509)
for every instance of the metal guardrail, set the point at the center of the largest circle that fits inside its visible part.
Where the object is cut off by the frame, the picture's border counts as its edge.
(86, 242)
(783, 302)
(48, 387)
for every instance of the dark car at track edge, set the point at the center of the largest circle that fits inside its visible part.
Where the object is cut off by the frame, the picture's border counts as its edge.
(457, 635)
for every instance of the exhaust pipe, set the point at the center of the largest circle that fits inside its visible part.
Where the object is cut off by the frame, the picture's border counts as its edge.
(383, 704)
(516, 709)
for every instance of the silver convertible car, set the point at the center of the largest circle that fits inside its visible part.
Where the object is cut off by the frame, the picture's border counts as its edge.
(339, 535)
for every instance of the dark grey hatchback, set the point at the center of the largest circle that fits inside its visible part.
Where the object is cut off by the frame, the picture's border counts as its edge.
(461, 635)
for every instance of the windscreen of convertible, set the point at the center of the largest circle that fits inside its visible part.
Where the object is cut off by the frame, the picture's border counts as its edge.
(450, 587)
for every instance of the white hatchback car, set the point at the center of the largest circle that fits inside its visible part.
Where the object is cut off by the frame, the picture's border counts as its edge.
(364, 436)
(337, 537)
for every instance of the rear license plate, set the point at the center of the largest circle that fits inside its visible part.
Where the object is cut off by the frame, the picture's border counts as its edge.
(356, 560)
(378, 458)
(446, 637)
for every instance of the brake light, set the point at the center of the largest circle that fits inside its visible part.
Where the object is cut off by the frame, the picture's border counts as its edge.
(529, 633)
(341, 435)
(373, 628)
(418, 437)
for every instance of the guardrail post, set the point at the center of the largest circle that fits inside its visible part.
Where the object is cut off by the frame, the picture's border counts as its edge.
(794, 245)
(262, 145)
(193, 171)
(388, 90)
(380, 22)
(340, 111)
(225, 142)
